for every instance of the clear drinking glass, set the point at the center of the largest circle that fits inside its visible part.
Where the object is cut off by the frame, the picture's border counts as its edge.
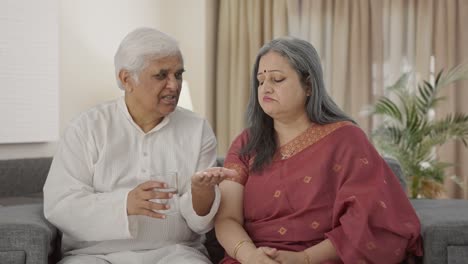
(172, 180)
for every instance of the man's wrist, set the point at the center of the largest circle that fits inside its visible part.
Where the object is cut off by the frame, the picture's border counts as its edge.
(203, 199)
(202, 189)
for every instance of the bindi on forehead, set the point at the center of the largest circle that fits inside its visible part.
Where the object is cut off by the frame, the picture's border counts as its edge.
(265, 71)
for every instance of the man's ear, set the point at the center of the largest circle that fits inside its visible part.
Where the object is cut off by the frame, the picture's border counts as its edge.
(127, 81)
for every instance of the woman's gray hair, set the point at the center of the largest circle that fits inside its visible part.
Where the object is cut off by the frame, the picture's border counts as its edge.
(320, 107)
(139, 47)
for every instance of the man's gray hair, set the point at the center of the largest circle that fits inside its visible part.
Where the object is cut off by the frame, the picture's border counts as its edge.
(139, 47)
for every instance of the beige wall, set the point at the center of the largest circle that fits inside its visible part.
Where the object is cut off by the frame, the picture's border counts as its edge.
(90, 32)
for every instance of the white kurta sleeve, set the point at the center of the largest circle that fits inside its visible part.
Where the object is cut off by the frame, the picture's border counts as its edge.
(207, 158)
(199, 224)
(70, 201)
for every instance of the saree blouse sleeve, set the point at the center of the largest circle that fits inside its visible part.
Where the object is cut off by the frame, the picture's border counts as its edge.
(373, 220)
(234, 160)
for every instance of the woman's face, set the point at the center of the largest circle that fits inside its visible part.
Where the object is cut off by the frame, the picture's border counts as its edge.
(280, 91)
(158, 89)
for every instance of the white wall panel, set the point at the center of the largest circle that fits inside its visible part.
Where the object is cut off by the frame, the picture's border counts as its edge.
(29, 71)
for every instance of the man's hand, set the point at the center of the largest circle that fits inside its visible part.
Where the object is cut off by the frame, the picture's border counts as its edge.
(138, 200)
(203, 192)
(211, 177)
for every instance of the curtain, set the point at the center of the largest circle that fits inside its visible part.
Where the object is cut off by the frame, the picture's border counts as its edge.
(341, 31)
(243, 27)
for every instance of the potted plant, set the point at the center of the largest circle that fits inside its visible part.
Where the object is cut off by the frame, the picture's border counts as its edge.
(410, 132)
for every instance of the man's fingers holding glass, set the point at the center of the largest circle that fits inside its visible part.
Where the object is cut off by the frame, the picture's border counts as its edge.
(147, 197)
(142, 192)
(149, 185)
(154, 208)
(150, 213)
(156, 205)
(156, 194)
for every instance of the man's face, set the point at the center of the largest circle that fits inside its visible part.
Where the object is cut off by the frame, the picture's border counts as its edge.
(158, 89)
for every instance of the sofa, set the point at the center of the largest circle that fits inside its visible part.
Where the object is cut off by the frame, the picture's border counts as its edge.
(27, 238)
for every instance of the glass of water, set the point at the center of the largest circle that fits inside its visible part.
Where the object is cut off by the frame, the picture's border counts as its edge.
(172, 180)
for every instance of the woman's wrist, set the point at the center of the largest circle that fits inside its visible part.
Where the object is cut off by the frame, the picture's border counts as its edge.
(238, 246)
(244, 251)
(307, 259)
(322, 252)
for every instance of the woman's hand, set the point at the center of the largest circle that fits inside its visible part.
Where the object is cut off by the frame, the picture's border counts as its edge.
(290, 257)
(262, 255)
(211, 177)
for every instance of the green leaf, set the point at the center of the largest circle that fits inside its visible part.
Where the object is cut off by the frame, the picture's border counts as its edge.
(388, 108)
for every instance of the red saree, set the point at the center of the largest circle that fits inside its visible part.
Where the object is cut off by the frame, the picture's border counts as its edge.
(329, 182)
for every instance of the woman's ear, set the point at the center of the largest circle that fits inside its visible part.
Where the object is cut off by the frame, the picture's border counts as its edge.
(308, 86)
(127, 81)
(309, 89)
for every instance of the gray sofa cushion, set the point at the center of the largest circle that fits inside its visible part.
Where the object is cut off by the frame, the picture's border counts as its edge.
(35, 198)
(457, 254)
(24, 229)
(13, 257)
(23, 176)
(444, 227)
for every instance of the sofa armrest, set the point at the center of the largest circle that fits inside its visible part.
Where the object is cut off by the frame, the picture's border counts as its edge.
(23, 176)
(444, 228)
(26, 234)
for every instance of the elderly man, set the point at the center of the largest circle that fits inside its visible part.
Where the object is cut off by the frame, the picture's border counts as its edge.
(100, 191)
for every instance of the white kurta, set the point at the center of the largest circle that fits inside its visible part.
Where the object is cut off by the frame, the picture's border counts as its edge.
(102, 156)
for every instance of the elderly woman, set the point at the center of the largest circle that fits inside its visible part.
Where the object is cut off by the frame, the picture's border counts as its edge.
(309, 187)
(100, 191)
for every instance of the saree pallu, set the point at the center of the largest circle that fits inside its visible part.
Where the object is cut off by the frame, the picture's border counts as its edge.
(327, 183)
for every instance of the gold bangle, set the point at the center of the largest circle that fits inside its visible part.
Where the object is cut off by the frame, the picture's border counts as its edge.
(238, 246)
(306, 258)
